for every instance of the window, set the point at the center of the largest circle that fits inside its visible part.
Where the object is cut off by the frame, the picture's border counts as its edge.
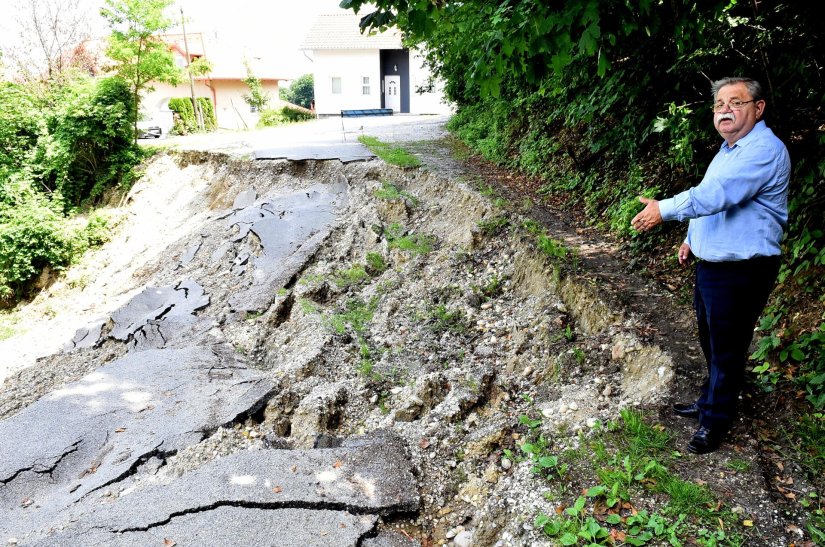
(365, 85)
(336, 85)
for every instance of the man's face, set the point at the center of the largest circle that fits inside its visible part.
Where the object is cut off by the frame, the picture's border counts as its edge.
(735, 124)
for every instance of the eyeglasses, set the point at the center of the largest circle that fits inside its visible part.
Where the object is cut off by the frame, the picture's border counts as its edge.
(734, 104)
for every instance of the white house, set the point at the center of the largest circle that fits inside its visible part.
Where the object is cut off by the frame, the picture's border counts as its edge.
(359, 71)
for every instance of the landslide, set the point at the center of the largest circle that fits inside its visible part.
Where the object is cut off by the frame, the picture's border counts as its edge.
(431, 308)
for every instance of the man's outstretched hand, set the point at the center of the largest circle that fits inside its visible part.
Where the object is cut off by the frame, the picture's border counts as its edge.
(649, 217)
(685, 255)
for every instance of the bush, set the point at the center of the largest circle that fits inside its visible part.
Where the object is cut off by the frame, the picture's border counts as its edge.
(184, 113)
(280, 116)
(59, 151)
(90, 146)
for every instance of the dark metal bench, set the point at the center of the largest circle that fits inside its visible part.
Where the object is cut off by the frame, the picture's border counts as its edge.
(366, 112)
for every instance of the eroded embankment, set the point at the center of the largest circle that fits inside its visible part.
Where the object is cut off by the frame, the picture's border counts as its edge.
(343, 300)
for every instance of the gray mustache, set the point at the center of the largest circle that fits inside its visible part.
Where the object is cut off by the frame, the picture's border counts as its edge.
(726, 116)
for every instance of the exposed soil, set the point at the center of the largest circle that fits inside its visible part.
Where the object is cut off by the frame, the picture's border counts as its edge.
(447, 346)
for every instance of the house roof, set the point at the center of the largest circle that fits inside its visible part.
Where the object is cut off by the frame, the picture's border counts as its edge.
(341, 31)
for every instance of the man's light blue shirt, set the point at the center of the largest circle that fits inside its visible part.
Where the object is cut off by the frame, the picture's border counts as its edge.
(740, 209)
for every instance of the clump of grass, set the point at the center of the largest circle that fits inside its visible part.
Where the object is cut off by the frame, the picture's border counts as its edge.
(532, 226)
(390, 192)
(394, 155)
(443, 320)
(350, 276)
(412, 243)
(552, 247)
(376, 265)
(494, 225)
(357, 314)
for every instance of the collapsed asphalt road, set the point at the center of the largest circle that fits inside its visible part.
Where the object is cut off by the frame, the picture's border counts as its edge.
(313, 353)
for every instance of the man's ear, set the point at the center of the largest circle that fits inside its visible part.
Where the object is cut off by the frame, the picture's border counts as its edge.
(760, 109)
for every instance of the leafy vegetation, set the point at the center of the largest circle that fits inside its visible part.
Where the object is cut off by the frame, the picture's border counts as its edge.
(281, 116)
(139, 55)
(61, 150)
(257, 98)
(389, 192)
(415, 244)
(618, 467)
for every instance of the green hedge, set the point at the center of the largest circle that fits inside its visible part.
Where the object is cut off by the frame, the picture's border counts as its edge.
(185, 121)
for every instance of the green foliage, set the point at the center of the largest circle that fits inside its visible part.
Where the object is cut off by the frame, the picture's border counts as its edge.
(139, 56)
(442, 319)
(356, 315)
(21, 125)
(257, 98)
(390, 154)
(389, 192)
(349, 276)
(185, 119)
(375, 264)
(575, 93)
(301, 91)
(415, 244)
(60, 150)
(90, 146)
(494, 226)
(281, 116)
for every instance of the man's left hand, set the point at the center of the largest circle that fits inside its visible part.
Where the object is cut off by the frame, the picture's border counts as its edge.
(649, 217)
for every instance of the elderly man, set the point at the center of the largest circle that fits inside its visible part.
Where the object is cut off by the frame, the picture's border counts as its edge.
(738, 214)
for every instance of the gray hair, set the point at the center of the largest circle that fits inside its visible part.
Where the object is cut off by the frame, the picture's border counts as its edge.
(754, 87)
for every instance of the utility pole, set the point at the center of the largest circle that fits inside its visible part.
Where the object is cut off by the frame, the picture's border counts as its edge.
(195, 105)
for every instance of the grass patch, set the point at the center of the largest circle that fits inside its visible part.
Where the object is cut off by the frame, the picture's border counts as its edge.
(494, 226)
(376, 265)
(412, 243)
(394, 155)
(7, 325)
(391, 192)
(350, 276)
(356, 315)
(443, 320)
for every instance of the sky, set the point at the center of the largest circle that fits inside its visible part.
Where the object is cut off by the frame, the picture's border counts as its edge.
(270, 29)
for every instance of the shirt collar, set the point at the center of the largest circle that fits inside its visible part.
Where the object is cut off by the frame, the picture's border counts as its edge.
(751, 136)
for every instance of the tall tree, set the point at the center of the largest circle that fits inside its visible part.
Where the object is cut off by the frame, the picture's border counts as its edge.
(48, 31)
(140, 56)
(301, 91)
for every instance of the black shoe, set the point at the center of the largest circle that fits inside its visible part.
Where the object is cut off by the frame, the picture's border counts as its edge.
(686, 410)
(705, 440)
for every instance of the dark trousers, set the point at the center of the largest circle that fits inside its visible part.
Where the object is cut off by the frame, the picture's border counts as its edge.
(729, 298)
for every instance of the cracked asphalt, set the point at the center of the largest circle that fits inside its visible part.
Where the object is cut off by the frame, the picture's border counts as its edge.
(65, 454)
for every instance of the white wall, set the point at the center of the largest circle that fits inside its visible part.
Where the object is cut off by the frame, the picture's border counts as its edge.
(350, 66)
(425, 103)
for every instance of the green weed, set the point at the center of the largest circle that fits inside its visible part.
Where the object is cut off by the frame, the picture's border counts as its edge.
(390, 192)
(375, 264)
(350, 276)
(412, 243)
(494, 226)
(356, 315)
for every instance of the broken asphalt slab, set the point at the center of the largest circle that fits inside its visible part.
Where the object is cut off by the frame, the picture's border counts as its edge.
(100, 429)
(237, 526)
(325, 497)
